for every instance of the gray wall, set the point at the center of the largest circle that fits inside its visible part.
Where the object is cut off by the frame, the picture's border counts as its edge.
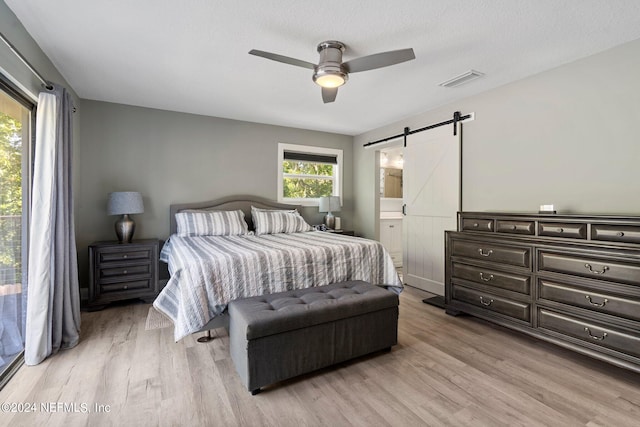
(174, 157)
(566, 137)
(13, 68)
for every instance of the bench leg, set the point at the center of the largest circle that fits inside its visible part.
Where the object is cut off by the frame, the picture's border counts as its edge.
(256, 391)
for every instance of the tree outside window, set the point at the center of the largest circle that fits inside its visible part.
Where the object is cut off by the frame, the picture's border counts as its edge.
(10, 199)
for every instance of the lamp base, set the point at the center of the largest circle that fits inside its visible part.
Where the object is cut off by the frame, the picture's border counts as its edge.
(125, 227)
(330, 220)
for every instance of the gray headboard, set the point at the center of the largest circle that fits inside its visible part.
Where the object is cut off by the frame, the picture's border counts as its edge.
(230, 203)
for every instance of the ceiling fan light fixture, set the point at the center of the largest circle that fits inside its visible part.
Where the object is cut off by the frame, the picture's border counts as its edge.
(330, 78)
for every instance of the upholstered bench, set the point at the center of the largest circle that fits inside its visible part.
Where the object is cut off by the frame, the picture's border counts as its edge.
(279, 336)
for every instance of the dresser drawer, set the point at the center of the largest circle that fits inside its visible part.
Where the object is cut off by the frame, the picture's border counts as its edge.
(107, 255)
(493, 253)
(516, 227)
(588, 331)
(603, 269)
(615, 233)
(473, 224)
(125, 271)
(601, 302)
(487, 301)
(126, 286)
(559, 229)
(490, 277)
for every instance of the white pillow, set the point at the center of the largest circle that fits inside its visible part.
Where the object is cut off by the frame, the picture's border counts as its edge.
(278, 221)
(211, 223)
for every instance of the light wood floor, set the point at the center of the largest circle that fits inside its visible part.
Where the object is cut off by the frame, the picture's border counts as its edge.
(444, 371)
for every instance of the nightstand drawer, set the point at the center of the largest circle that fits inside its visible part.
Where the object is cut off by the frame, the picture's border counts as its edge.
(125, 271)
(113, 255)
(126, 286)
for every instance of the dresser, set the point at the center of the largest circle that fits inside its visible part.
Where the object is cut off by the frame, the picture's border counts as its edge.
(573, 280)
(122, 271)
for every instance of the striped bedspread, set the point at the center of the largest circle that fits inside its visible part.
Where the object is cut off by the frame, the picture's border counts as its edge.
(207, 272)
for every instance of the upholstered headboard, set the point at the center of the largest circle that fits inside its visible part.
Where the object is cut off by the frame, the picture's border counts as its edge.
(229, 203)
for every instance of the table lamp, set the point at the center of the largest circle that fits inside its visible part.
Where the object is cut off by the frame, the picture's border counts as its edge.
(329, 204)
(125, 203)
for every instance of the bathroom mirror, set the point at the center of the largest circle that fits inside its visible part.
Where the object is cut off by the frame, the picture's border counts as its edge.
(391, 183)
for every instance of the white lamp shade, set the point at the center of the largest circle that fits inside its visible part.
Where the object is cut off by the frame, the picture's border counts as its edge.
(329, 204)
(125, 202)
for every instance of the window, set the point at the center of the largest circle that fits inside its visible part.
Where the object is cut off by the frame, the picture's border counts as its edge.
(307, 173)
(16, 114)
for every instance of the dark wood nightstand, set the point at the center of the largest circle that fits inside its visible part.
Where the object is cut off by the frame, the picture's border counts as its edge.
(345, 232)
(121, 271)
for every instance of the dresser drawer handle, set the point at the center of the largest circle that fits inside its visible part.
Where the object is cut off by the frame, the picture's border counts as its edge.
(485, 303)
(125, 272)
(619, 234)
(125, 287)
(481, 252)
(475, 224)
(604, 269)
(125, 256)
(595, 304)
(486, 279)
(514, 227)
(588, 331)
(560, 230)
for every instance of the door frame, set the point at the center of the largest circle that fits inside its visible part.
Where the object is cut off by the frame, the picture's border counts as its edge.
(399, 140)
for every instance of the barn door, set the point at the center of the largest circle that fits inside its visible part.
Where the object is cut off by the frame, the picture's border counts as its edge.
(431, 197)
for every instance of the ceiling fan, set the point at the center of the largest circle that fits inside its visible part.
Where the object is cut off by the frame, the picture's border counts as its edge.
(331, 72)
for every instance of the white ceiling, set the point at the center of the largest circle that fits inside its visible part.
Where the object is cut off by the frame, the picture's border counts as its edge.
(191, 56)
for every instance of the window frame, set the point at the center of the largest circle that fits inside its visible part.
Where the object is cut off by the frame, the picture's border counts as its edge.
(309, 149)
(28, 147)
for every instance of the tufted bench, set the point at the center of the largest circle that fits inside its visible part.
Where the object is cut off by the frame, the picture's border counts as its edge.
(279, 336)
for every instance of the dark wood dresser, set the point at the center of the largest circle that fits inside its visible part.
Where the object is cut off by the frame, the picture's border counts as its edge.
(122, 271)
(572, 280)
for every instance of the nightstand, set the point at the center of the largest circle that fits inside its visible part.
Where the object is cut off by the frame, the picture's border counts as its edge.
(122, 271)
(345, 232)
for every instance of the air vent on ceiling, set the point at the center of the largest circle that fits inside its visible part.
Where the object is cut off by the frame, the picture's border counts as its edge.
(462, 79)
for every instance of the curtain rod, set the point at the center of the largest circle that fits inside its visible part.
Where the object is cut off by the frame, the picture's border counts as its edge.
(456, 118)
(25, 62)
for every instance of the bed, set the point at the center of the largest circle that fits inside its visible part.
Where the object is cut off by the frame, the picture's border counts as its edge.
(208, 271)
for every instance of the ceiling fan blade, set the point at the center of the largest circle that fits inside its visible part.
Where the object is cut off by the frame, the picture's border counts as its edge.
(379, 60)
(329, 94)
(280, 58)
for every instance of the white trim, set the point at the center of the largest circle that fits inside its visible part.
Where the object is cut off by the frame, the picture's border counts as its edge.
(337, 178)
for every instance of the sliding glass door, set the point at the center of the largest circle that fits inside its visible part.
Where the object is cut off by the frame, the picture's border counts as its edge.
(15, 144)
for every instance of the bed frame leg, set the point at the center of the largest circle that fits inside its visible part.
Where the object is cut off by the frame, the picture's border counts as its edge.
(206, 338)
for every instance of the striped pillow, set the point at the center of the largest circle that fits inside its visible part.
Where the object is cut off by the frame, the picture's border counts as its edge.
(278, 221)
(211, 223)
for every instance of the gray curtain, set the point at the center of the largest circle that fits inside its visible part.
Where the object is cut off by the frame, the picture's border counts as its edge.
(53, 300)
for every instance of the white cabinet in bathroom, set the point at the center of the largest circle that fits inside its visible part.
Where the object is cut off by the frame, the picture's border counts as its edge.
(391, 238)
